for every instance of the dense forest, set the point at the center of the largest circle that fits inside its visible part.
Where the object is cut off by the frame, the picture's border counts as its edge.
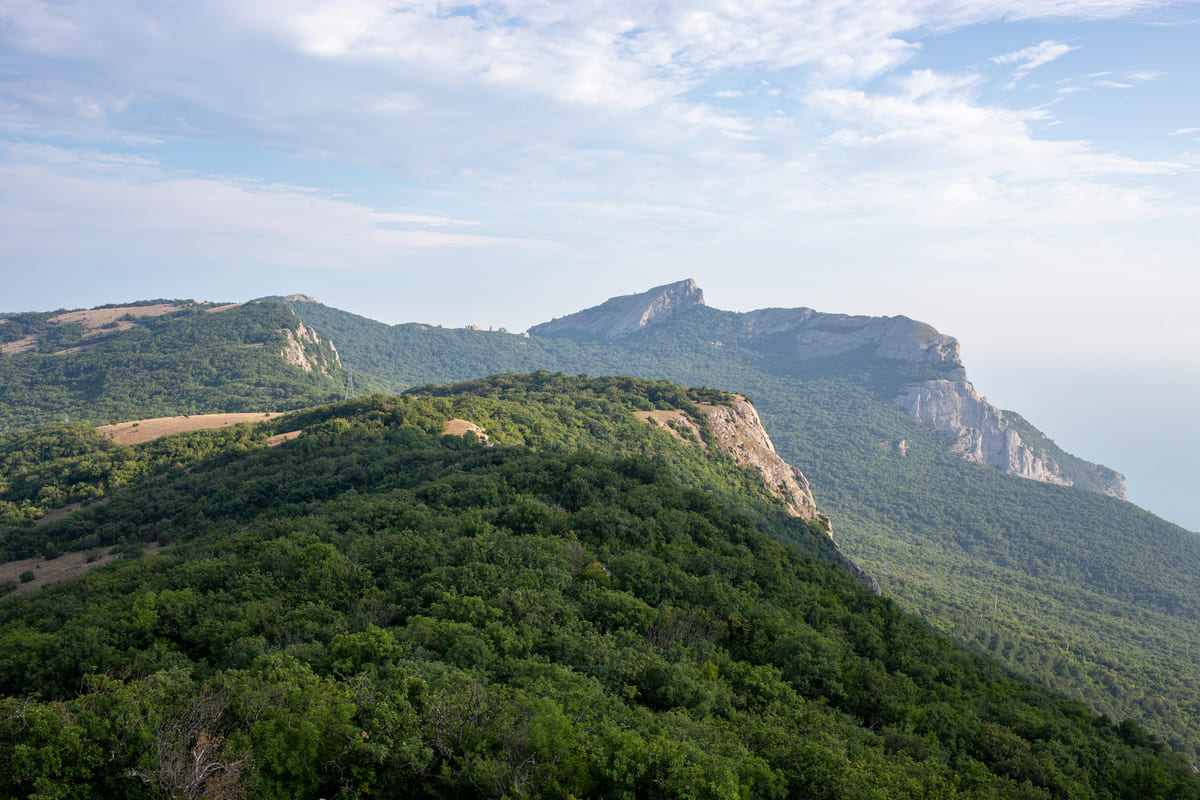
(574, 604)
(195, 359)
(1089, 595)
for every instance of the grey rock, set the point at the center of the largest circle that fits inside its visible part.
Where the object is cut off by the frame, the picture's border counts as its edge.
(621, 316)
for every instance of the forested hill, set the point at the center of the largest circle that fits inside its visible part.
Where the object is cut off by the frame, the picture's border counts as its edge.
(564, 601)
(1084, 593)
(160, 358)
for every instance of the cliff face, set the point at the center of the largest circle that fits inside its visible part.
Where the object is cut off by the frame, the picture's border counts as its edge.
(302, 349)
(983, 434)
(624, 315)
(740, 433)
(980, 431)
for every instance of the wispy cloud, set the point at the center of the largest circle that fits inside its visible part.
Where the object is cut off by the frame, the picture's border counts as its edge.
(78, 197)
(1030, 58)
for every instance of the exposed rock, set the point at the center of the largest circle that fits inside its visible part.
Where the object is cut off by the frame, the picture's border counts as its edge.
(983, 435)
(675, 422)
(296, 350)
(299, 298)
(740, 433)
(621, 316)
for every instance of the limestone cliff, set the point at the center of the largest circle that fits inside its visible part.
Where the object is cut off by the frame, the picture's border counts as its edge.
(740, 432)
(304, 348)
(983, 434)
(621, 316)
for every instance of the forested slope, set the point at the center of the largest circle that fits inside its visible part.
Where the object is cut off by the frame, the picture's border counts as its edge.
(186, 358)
(1087, 594)
(582, 605)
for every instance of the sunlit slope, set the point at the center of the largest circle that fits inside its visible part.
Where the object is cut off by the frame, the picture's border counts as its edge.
(1085, 593)
(160, 359)
(582, 604)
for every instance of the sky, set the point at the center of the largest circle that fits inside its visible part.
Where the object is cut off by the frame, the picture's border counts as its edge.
(1021, 174)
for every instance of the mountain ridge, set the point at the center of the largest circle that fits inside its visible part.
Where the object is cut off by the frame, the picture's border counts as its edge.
(948, 403)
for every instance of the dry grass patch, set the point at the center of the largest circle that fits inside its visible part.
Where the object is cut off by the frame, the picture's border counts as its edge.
(146, 430)
(461, 427)
(65, 567)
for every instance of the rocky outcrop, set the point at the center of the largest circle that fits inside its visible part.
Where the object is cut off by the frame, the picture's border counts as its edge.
(621, 316)
(982, 434)
(303, 348)
(740, 432)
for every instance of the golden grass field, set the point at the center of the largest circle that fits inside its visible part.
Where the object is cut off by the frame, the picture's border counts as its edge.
(145, 430)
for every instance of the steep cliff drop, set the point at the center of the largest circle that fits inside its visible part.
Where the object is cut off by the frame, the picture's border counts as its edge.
(738, 431)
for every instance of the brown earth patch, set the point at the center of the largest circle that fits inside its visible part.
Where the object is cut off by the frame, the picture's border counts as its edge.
(145, 430)
(57, 514)
(280, 438)
(461, 427)
(65, 567)
(20, 345)
(225, 307)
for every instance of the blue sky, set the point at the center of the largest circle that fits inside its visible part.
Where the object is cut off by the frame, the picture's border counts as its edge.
(1020, 174)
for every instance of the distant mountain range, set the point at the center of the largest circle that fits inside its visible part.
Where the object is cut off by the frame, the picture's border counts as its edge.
(963, 513)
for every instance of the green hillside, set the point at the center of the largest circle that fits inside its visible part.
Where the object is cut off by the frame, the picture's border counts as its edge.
(1084, 593)
(194, 359)
(579, 605)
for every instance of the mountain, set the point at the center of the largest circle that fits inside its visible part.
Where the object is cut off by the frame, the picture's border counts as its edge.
(1067, 584)
(947, 404)
(519, 586)
(159, 358)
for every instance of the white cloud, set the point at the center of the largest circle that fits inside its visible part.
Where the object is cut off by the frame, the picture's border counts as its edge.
(528, 102)
(1183, 131)
(1114, 85)
(1030, 58)
(54, 199)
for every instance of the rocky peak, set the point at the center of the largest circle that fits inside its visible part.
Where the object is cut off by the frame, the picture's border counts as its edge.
(620, 316)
